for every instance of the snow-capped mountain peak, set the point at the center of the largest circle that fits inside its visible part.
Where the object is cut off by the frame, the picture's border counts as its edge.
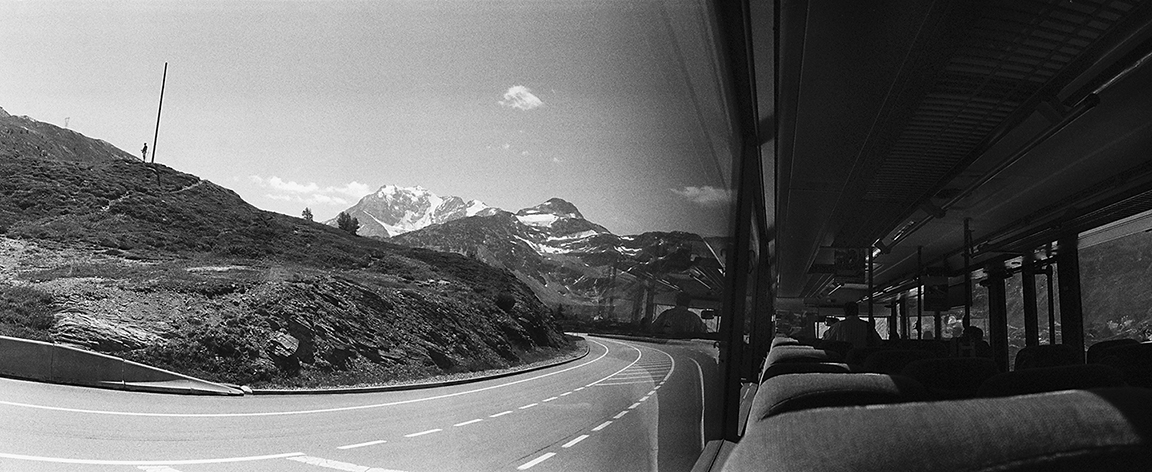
(393, 210)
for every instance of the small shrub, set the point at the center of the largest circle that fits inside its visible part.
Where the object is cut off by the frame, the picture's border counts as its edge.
(26, 312)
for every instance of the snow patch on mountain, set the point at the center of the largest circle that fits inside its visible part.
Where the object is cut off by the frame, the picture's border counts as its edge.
(539, 219)
(573, 236)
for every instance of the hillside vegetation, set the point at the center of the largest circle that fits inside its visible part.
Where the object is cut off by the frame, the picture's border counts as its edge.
(102, 251)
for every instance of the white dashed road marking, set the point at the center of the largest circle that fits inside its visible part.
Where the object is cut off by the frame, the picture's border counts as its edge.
(466, 423)
(634, 405)
(575, 441)
(533, 462)
(337, 465)
(549, 399)
(157, 468)
(502, 413)
(530, 405)
(369, 443)
(437, 430)
(602, 426)
(620, 415)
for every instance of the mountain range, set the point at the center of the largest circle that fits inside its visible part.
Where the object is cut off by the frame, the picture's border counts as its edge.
(392, 210)
(579, 267)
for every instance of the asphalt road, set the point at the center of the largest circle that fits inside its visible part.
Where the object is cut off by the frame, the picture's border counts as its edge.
(627, 406)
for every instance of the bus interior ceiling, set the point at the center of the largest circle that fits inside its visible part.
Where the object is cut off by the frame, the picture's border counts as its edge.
(900, 124)
(951, 138)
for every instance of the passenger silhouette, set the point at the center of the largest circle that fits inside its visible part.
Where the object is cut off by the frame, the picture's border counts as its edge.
(829, 322)
(853, 329)
(679, 319)
(971, 344)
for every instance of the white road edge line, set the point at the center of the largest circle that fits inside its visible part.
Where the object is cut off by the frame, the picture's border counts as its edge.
(157, 468)
(639, 355)
(304, 412)
(369, 443)
(602, 426)
(533, 462)
(60, 460)
(620, 415)
(502, 413)
(702, 406)
(437, 430)
(466, 423)
(575, 441)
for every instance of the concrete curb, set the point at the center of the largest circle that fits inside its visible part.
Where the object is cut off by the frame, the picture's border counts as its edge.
(48, 362)
(416, 386)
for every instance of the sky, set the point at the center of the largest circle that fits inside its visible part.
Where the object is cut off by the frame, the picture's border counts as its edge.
(613, 105)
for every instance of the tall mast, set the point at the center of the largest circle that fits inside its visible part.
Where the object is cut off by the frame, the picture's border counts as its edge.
(158, 108)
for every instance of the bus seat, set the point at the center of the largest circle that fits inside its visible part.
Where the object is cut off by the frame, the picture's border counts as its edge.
(947, 378)
(783, 354)
(785, 341)
(1071, 430)
(857, 355)
(794, 392)
(893, 361)
(1133, 360)
(1051, 379)
(1047, 355)
(933, 345)
(804, 368)
(841, 347)
(1096, 351)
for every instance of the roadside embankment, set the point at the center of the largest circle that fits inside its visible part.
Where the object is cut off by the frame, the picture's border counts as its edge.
(47, 362)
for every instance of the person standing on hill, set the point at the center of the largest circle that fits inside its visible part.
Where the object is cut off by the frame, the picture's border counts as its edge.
(144, 152)
(853, 329)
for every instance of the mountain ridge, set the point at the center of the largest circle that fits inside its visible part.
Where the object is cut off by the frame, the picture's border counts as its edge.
(393, 210)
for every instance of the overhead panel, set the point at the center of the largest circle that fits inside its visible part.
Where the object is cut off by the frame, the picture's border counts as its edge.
(1003, 67)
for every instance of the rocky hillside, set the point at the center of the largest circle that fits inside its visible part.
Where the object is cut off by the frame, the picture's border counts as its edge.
(102, 251)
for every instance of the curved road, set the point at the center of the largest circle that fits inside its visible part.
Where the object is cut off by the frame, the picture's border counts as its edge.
(626, 406)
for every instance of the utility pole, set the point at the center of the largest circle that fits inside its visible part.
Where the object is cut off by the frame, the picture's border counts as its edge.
(163, 80)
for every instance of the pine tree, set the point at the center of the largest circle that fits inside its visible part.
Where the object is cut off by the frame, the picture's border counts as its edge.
(307, 214)
(347, 223)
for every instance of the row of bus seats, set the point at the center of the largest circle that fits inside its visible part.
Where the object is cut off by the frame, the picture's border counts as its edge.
(910, 405)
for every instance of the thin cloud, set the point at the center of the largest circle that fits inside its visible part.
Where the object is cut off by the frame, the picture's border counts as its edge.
(284, 185)
(521, 98)
(707, 196)
(352, 189)
(319, 199)
(310, 193)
